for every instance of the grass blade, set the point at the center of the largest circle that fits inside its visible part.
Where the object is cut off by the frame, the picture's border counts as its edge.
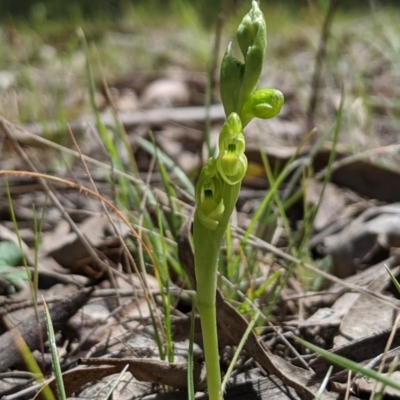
(320, 392)
(116, 381)
(393, 279)
(169, 164)
(238, 350)
(54, 355)
(32, 365)
(351, 365)
(190, 362)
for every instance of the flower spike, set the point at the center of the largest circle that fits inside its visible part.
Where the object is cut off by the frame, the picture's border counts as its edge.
(218, 186)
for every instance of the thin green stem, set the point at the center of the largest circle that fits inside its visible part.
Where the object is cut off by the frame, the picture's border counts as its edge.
(207, 245)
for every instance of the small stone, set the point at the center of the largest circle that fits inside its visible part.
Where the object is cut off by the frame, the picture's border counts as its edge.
(164, 93)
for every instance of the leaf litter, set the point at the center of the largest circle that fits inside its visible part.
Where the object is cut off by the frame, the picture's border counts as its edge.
(101, 311)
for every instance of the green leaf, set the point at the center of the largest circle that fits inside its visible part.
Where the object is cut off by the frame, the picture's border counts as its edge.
(10, 255)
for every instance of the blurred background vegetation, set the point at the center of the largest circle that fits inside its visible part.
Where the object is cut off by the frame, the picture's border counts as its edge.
(208, 10)
(42, 62)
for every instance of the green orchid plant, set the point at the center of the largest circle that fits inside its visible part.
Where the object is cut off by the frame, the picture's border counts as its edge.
(218, 186)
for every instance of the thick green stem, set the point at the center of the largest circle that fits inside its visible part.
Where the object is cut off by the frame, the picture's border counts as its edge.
(207, 245)
(206, 260)
(211, 353)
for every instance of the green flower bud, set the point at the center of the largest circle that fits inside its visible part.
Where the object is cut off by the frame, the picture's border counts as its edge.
(232, 126)
(232, 162)
(263, 103)
(210, 205)
(252, 31)
(230, 81)
(252, 38)
(251, 74)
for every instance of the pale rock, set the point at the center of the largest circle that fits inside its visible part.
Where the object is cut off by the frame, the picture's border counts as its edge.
(163, 93)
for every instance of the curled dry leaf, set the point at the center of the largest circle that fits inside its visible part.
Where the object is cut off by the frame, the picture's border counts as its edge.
(143, 369)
